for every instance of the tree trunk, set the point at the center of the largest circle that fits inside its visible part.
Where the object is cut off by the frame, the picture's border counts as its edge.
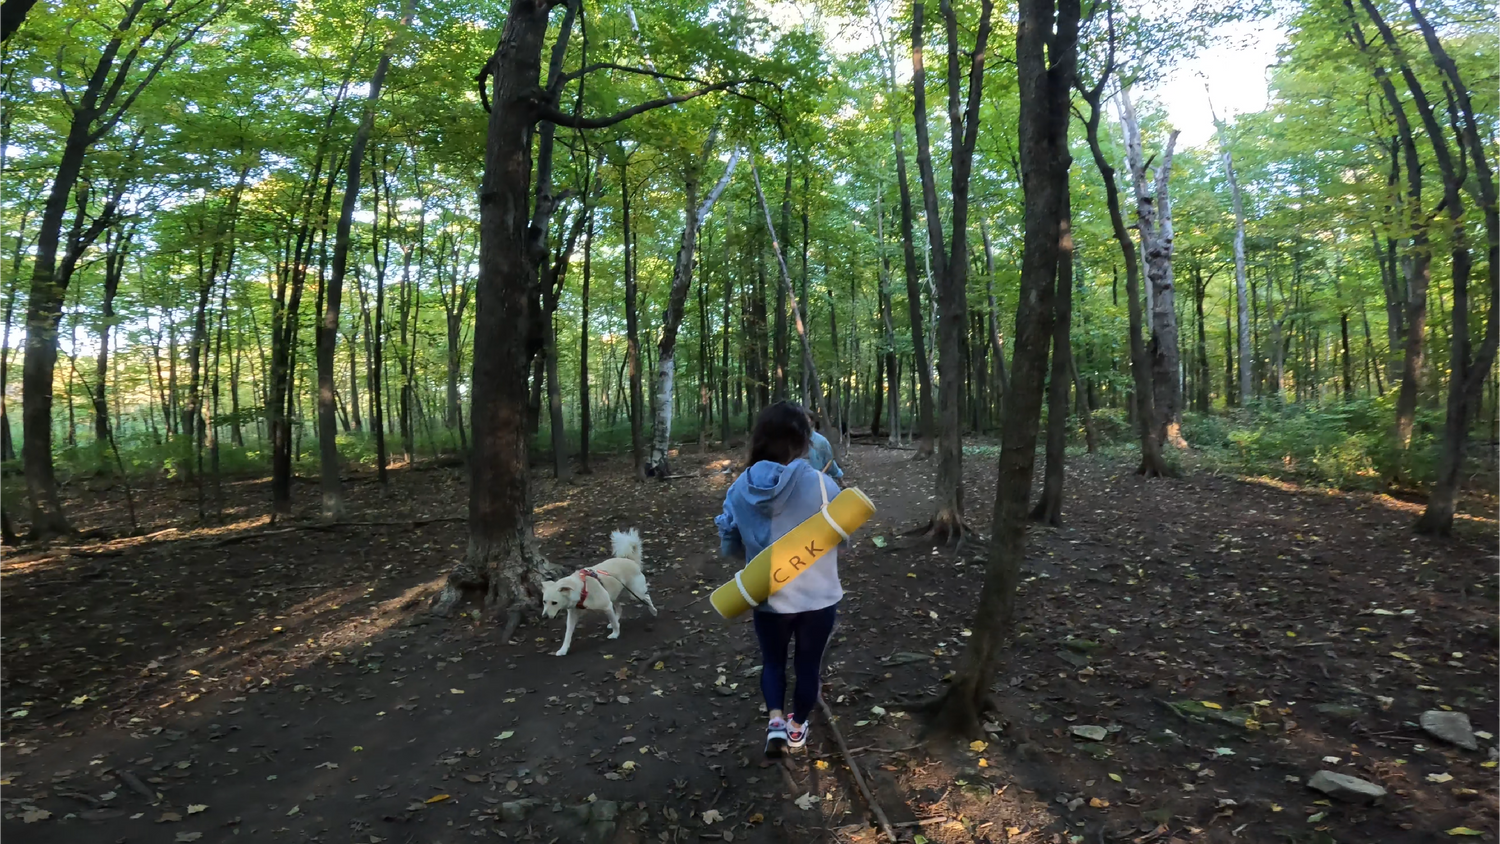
(1152, 464)
(950, 261)
(43, 315)
(1044, 95)
(997, 345)
(328, 331)
(808, 364)
(1048, 509)
(560, 468)
(1239, 264)
(117, 249)
(1154, 221)
(682, 280)
(923, 370)
(1467, 373)
(632, 331)
(585, 415)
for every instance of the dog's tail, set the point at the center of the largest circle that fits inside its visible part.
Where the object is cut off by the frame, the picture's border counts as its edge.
(627, 544)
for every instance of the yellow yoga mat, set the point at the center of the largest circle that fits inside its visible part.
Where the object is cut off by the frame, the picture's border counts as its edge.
(776, 566)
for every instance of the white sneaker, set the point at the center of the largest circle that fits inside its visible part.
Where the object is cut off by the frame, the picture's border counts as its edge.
(796, 734)
(776, 738)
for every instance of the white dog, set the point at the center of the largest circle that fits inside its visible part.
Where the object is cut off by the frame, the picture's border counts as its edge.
(599, 588)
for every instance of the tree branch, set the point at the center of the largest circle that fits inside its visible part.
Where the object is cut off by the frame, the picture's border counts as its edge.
(551, 114)
(624, 68)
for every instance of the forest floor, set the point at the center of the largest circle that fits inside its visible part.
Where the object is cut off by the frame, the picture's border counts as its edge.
(250, 683)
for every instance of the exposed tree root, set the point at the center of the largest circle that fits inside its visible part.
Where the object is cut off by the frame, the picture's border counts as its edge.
(859, 780)
(957, 712)
(1046, 512)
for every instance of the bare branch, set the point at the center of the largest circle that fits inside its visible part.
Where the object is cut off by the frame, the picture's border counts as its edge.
(551, 114)
(639, 71)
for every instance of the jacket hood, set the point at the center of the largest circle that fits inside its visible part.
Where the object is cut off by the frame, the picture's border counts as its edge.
(766, 482)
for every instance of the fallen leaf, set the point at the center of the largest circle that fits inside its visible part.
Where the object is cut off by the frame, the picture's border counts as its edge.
(712, 816)
(1116, 777)
(1439, 777)
(455, 691)
(822, 764)
(806, 801)
(978, 746)
(1275, 807)
(329, 765)
(169, 817)
(436, 798)
(34, 815)
(294, 810)
(1210, 704)
(1098, 804)
(357, 748)
(188, 836)
(1316, 818)
(505, 735)
(878, 540)
(1490, 764)
(1400, 655)
(1463, 830)
(473, 778)
(197, 807)
(756, 818)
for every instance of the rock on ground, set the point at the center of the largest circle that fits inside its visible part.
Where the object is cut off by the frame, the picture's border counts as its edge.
(1452, 727)
(1345, 787)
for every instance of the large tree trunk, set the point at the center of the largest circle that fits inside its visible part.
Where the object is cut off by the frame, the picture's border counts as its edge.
(43, 315)
(1154, 221)
(502, 559)
(11, 19)
(328, 332)
(682, 280)
(1044, 93)
(1467, 372)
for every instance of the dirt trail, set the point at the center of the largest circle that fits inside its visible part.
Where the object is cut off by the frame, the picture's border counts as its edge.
(292, 686)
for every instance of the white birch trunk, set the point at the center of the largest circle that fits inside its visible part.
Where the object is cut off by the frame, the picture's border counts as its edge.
(1240, 288)
(1154, 216)
(682, 278)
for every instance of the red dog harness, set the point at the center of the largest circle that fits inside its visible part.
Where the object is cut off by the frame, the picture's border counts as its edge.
(583, 577)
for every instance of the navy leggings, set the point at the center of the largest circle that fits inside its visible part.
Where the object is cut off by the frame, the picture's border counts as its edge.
(811, 630)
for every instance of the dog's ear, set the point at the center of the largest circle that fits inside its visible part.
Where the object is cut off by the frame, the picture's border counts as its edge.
(564, 587)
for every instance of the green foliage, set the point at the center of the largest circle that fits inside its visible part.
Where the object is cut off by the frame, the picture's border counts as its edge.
(1347, 446)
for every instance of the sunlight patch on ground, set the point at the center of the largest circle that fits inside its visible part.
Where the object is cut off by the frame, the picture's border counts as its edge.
(1389, 502)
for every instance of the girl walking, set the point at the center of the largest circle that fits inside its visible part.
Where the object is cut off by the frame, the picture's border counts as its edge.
(778, 491)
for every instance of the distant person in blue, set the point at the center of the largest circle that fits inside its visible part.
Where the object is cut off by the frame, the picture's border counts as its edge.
(820, 452)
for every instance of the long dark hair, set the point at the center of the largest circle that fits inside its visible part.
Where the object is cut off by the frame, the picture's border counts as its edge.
(781, 434)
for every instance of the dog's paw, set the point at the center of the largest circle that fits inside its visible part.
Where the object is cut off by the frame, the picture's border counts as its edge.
(613, 635)
(560, 652)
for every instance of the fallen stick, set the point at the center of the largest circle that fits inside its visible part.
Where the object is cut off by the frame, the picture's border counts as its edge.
(922, 821)
(859, 780)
